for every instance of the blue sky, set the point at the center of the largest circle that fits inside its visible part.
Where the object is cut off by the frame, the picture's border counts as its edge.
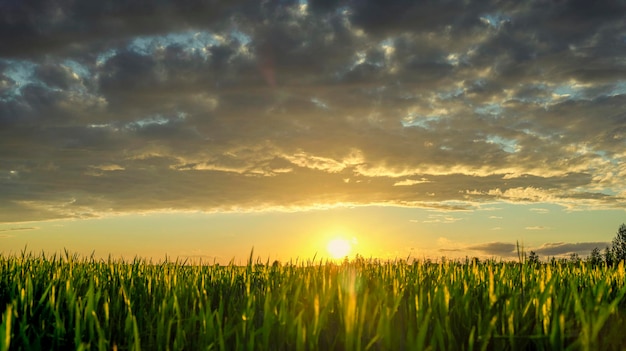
(457, 128)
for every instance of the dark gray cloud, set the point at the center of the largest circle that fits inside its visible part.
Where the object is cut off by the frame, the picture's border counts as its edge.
(561, 248)
(509, 250)
(35, 27)
(116, 107)
(499, 249)
(56, 76)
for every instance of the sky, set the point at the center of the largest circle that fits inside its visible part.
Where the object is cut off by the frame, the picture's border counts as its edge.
(206, 129)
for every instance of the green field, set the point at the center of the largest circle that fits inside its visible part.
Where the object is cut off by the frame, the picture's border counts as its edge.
(67, 303)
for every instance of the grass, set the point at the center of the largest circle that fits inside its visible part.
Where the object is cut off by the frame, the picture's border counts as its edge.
(64, 303)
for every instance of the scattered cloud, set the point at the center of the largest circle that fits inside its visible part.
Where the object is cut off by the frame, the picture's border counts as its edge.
(537, 227)
(540, 210)
(440, 218)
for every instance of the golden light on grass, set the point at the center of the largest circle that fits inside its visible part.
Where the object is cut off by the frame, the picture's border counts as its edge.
(338, 248)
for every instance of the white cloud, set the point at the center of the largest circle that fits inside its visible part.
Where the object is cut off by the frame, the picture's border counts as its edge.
(409, 182)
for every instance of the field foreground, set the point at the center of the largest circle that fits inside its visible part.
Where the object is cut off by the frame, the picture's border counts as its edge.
(63, 303)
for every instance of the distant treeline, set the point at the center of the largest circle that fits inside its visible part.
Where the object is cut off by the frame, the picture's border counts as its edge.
(611, 255)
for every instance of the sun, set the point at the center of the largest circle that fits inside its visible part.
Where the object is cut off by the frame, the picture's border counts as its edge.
(338, 248)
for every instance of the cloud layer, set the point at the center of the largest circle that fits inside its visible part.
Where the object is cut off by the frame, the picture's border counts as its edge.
(509, 250)
(185, 105)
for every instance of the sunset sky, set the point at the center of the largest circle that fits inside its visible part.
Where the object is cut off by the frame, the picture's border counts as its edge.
(201, 129)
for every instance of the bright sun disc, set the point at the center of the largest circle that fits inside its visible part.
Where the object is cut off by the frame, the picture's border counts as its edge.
(338, 248)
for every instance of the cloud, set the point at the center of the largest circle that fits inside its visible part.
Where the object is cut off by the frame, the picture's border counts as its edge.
(439, 218)
(249, 105)
(39, 22)
(446, 244)
(508, 250)
(537, 227)
(17, 229)
(500, 249)
(409, 182)
(450, 250)
(562, 248)
(4, 231)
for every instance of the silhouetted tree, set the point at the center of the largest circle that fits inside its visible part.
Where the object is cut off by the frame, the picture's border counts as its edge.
(574, 258)
(595, 258)
(608, 256)
(533, 258)
(619, 244)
